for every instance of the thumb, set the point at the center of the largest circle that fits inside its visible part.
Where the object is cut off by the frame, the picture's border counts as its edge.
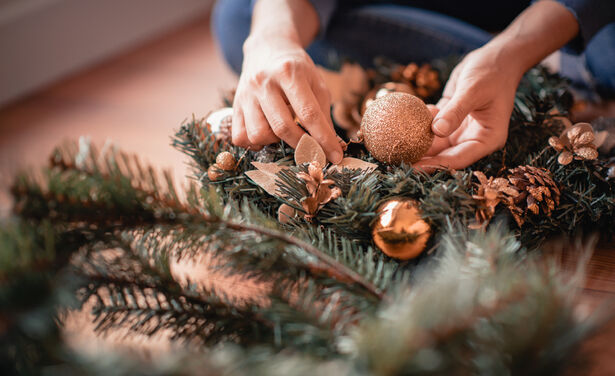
(451, 116)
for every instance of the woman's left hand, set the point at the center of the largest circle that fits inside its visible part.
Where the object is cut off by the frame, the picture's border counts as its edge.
(471, 120)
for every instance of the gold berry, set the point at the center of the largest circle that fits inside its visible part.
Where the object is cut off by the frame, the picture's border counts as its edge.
(400, 231)
(397, 128)
(226, 161)
(214, 173)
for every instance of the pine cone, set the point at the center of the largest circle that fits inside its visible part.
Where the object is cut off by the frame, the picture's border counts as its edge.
(423, 81)
(537, 192)
(320, 190)
(575, 142)
(490, 192)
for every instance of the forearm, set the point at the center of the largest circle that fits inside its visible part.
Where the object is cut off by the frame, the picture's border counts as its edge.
(541, 29)
(294, 20)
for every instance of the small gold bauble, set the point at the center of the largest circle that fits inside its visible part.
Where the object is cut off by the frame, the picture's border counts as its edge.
(226, 161)
(214, 172)
(397, 128)
(400, 231)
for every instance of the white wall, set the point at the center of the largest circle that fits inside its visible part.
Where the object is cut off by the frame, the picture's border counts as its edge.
(42, 41)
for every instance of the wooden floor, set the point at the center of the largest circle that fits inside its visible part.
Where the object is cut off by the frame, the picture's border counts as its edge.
(138, 99)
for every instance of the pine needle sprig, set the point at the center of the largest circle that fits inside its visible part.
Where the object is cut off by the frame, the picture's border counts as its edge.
(374, 266)
(351, 214)
(502, 302)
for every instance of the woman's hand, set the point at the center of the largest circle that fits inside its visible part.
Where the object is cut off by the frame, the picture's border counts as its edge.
(279, 81)
(471, 120)
(472, 117)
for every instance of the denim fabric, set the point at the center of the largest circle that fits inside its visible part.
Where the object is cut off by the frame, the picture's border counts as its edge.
(401, 33)
(398, 32)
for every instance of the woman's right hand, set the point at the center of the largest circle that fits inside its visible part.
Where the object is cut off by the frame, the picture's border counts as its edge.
(279, 81)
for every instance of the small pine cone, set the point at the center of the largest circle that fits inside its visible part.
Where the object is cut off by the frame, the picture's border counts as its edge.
(538, 192)
(490, 192)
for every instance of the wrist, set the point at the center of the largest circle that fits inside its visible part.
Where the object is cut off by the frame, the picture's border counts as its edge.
(263, 39)
(508, 57)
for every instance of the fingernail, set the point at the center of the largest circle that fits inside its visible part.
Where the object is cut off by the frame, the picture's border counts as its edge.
(336, 157)
(441, 127)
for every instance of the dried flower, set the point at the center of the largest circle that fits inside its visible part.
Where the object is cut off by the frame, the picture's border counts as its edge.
(575, 143)
(320, 190)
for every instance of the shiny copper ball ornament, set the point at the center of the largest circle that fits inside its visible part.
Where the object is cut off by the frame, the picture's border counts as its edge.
(226, 161)
(397, 128)
(400, 231)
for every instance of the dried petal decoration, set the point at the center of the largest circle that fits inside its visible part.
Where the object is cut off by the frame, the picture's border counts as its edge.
(308, 150)
(265, 176)
(576, 142)
(320, 190)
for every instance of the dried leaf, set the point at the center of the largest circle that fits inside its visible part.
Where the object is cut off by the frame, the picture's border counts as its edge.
(481, 177)
(264, 181)
(587, 152)
(265, 176)
(556, 143)
(269, 168)
(564, 158)
(584, 138)
(308, 150)
(315, 171)
(354, 164)
(310, 205)
(286, 213)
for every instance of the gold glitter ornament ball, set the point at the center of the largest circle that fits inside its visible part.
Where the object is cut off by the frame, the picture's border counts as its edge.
(399, 230)
(397, 128)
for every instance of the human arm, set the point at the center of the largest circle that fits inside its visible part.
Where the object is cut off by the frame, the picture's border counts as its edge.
(473, 114)
(279, 81)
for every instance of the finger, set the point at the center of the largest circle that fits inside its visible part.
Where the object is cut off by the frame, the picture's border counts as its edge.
(456, 157)
(280, 118)
(451, 84)
(433, 109)
(438, 144)
(310, 114)
(452, 114)
(323, 96)
(257, 128)
(238, 129)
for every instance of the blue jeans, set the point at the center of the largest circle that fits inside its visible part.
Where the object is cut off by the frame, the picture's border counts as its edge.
(405, 34)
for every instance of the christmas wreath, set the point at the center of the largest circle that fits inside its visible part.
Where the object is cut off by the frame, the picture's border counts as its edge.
(369, 267)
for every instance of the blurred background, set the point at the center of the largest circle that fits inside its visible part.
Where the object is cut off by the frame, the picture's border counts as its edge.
(129, 71)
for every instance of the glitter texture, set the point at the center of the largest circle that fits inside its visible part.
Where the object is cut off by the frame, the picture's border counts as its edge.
(397, 128)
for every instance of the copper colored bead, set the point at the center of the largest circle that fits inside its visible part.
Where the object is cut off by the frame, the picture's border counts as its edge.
(400, 231)
(214, 173)
(397, 128)
(226, 161)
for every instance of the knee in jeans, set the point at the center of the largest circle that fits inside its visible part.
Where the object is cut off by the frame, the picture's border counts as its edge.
(231, 25)
(600, 55)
